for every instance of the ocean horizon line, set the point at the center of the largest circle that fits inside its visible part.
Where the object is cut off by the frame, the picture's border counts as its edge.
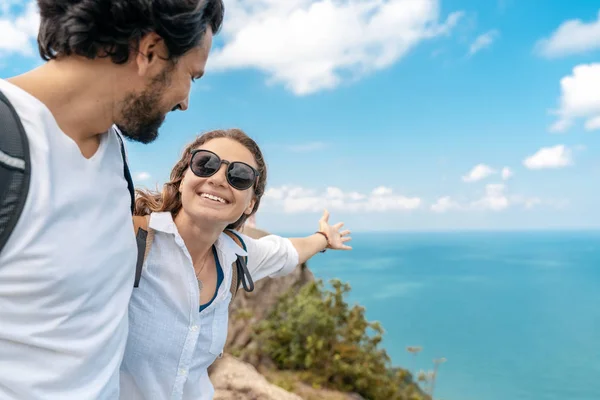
(457, 230)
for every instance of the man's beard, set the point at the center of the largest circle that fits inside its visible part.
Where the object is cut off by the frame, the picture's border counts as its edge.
(141, 115)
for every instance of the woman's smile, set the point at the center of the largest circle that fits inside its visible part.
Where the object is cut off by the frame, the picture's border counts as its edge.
(214, 198)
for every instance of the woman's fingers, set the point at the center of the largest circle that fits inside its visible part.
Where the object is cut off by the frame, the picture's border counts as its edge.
(325, 217)
(338, 226)
(338, 238)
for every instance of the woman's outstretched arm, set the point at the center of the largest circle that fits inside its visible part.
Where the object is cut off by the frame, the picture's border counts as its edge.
(274, 255)
(327, 237)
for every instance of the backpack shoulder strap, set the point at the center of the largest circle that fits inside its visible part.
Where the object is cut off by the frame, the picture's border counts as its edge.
(126, 172)
(239, 268)
(238, 240)
(15, 168)
(143, 237)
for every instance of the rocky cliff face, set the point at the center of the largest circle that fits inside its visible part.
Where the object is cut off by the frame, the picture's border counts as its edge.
(238, 378)
(243, 377)
(257, 304)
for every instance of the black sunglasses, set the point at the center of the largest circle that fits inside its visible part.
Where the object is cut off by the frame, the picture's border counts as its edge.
(205, 163)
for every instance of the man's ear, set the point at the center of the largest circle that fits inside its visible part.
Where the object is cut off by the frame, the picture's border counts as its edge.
(151, 54)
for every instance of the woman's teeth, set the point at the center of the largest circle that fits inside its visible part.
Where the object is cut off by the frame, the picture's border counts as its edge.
(215, 198)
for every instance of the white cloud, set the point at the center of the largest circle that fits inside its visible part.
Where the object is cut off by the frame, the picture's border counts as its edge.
(494, 198)
(580, 98)
(18, 31)
(444, 204)
(530, 203)
(592, 123)
(382, 191)
(275, 193)
(6, 5)
(142, 176)
(558, 156)
(294, 199)
(356, 196)
(483, 41)
(562, 125)
(571, 37)
(312, 45)
(334, 193)
(479, 172)
(506, 173)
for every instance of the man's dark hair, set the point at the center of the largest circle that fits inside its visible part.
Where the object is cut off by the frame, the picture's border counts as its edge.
(113, 28)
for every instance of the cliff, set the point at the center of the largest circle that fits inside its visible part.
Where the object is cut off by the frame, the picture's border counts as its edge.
(245, 372)
(256, 305)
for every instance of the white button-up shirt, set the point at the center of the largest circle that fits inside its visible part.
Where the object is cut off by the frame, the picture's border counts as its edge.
(171, 343)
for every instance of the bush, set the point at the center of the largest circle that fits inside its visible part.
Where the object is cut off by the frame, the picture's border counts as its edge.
(334, 346)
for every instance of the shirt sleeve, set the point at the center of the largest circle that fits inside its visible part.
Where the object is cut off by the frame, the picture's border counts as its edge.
(270, 256)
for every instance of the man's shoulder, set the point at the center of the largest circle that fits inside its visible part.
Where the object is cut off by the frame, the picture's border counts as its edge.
(34, 114)
(19, 98)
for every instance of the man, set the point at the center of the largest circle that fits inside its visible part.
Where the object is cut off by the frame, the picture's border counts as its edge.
(67, 270)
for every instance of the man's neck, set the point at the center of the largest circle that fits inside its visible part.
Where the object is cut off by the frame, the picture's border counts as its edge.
(80, 94)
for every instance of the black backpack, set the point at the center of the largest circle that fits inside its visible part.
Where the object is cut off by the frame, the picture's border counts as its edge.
(15, 169)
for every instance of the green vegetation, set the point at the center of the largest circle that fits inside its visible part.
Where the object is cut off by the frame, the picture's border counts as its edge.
(332, 345)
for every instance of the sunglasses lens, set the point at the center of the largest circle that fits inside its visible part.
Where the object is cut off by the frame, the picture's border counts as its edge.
(205, 164)
(240, 176)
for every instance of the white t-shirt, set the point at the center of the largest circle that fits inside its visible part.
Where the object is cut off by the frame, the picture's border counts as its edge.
(67, 271)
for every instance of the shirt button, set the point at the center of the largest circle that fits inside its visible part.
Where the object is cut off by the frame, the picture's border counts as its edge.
(194, 328)
(182, 371)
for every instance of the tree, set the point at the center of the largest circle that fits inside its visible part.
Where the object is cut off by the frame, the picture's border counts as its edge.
(333, 345)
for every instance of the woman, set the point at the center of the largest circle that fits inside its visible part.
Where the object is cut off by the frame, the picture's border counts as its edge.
(179, 310)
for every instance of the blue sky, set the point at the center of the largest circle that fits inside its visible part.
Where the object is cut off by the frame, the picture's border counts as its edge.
(396, 115)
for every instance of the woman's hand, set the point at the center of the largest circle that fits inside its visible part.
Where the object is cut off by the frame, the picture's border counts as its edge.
(328, 237)
(335, 238)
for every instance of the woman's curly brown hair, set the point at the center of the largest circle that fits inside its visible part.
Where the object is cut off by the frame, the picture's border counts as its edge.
(170, 198)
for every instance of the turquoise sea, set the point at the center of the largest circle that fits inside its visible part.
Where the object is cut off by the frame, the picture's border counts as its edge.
(516, 314)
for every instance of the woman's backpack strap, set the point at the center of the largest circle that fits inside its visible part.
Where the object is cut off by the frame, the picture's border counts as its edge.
(144, 237)
(239, 268)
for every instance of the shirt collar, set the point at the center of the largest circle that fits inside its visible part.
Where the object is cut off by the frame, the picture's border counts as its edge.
(163, 222)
